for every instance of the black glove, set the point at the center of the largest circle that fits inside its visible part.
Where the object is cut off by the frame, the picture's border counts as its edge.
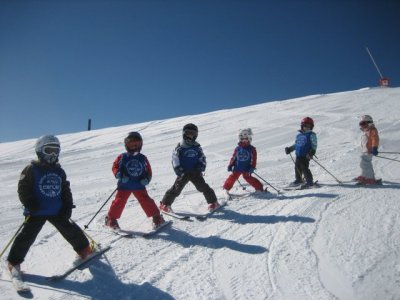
(288, 150)
(66, 210)
(311, 154)
(145, 179)
(375, 151)
(201, 168)
(178, 171)
(230, 168)
(32, 207)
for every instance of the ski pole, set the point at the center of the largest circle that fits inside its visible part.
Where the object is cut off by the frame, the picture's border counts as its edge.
(338, 181)
(87, 225)
(387, 158)
(295, 166)
(389, 152)
(243, 187)
(15, 235)
(278, 191)
(92, 241)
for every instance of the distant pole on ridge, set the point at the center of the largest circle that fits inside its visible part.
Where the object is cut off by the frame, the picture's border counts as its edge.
(383, 80)
(89, 125)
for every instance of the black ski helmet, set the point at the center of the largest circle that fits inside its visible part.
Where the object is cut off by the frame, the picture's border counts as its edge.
(133, 136)
(189, 133)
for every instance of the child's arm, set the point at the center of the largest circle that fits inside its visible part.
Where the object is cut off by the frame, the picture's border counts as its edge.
(202, 160)
(233, 159)
(176, 163)
(116, 167)
(66, 197)
(253, 162)
(314, 143)
(25, 190)
(149, 172)
(175, 157)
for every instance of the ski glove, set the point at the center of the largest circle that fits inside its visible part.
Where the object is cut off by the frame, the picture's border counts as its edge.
(230, 168)
(178, 171)
(375, 151)
(311, 154)
(201, 168)
(32, 207)
(144, 181)
(66, 210)
(288, 149)
(251, 170)
(121, 177)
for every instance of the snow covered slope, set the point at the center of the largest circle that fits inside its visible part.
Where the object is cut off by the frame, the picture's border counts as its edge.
(334, 242)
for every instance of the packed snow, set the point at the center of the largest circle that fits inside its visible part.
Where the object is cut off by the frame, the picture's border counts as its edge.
(338, 241)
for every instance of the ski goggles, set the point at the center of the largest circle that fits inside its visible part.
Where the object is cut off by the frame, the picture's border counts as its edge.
(51, 150)
(363, 123)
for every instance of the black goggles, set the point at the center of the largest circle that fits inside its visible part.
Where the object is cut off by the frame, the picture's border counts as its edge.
(50, 150)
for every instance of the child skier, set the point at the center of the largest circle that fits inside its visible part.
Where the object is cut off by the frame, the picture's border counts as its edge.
(45, 192)
(189, 161)
(305, 147)
(133, 171)
(369, 147)
(243, 162)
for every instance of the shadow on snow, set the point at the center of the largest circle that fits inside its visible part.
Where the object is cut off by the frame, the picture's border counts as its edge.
(104, 285)
(239, 218)
(214, 242)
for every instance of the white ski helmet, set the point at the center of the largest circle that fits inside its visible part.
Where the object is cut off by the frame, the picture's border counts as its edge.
(366, 118)
(365, 121)
(48, 148)
(245, 134)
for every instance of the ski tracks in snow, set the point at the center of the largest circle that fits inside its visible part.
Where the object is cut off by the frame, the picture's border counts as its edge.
(292, 264)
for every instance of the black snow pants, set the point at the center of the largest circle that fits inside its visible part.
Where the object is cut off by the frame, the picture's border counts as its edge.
(24, 240)
(198, 181)
(302, 168)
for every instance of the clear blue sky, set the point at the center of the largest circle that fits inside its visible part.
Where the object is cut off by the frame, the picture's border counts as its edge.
(120, 62)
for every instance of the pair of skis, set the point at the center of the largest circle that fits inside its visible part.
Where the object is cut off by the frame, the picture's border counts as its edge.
(23, 288)
(187, 216)
(147, 234)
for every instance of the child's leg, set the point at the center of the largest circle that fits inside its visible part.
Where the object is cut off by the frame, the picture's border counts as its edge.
(367, 170)
(305, 169)
(175, 190)
(230, 181)
(298, 172)
(254, 182)
(118, 205)
(25, 239)
(200, 184)
(71, 232)
(148, 205)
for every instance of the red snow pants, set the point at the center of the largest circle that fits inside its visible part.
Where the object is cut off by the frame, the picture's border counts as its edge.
(254, 182)
(117, 206)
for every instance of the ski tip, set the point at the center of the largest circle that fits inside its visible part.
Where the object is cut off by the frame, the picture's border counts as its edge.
(154, 231)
